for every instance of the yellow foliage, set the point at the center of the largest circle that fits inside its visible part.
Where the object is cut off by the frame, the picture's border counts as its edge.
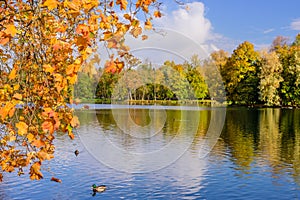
(22, 128)
(50, 43)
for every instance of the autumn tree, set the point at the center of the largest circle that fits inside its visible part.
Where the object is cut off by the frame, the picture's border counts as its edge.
(289, 56)
(214, 66)
(240, 74)
(175, 82)
(270, 78)
(43, 45)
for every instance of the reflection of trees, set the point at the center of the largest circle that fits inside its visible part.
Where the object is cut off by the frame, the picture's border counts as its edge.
(270, 138)
(204, 121)
(274, 133)
(240, 134)
(290, 151)
(269, 134)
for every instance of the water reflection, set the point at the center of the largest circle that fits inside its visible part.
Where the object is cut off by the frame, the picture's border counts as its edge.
(250, 138)
(266, 137)
(256, 157)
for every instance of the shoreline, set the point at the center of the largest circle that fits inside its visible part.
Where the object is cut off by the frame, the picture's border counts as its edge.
(204, 103)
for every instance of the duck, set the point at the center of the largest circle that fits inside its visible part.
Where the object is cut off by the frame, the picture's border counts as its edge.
(99, 188)
(76, 152)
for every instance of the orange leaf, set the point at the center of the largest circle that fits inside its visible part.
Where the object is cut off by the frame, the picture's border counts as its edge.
(70, 69)
(122, 3)
(47, 126)
(4, 41)
(144, 37)
(22, 128)
(51, 4)
(82, 29)
(38, 143)
(42, 155)
(127, 16)
(35, 173)
(56, 180)
(157, 14)
(71, 135)
(110, 67)
(12, 112)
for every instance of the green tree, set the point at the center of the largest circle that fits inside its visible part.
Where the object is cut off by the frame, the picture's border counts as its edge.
(194, 75)
(106, 84)
(85, 86)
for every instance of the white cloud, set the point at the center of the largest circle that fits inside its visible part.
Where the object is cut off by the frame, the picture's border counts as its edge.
(268, 31)
(189, 21)
(185, 31)
(295, 25)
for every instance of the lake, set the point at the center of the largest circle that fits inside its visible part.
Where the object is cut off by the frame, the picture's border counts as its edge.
(156, 152)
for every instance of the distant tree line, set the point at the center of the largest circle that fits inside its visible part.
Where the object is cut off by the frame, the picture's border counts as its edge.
(268, 77)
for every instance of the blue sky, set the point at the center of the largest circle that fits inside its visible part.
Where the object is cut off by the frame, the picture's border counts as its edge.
(234, 21)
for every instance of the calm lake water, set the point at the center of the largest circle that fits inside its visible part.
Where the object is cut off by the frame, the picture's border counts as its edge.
(146, 153)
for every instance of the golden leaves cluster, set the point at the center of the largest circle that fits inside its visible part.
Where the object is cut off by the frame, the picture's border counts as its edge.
(43, 46)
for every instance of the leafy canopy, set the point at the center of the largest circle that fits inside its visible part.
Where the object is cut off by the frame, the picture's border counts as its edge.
(43, 46)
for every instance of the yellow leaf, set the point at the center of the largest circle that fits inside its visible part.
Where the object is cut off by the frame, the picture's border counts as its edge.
(30, 137)
(148, 25)
(22, 128)
(12, 74)
(51, 4)
(136, 31)
(72, 79)
(75, 121)
(17, 96)
(11, 30)
(12, 138)
(58, 77)
(107, 35)
(16, 87)
(6, 109)
(48, 68)
(71, 5)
